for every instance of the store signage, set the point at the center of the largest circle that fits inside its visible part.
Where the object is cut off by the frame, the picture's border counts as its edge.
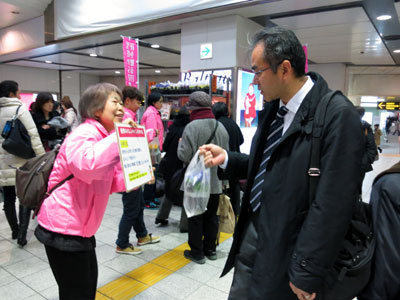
(206, 51)
(131, 56)
(388, 105)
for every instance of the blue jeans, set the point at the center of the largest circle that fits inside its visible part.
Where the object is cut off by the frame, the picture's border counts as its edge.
(132, 217)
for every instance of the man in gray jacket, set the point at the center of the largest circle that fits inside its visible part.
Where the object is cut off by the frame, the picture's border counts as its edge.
(197, 132)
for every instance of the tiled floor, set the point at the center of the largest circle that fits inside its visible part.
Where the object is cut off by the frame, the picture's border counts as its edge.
(25, 273)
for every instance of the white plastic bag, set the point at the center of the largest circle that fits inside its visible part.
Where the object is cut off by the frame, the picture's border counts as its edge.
(196, 187)
(155, 153)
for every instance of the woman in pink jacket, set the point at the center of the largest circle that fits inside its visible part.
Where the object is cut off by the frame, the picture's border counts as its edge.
(155, 129)
(71, 215)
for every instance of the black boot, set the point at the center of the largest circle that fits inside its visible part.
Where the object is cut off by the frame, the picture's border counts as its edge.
(9, 210)
(24, 215)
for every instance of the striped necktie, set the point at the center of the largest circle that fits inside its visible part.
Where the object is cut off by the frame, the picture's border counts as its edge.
(274, 136)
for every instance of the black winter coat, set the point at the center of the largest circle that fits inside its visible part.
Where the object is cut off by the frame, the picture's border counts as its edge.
(171, 162)
(235, 134)
(370, 147)
(50, 133)
(385, 206)
(297, 243)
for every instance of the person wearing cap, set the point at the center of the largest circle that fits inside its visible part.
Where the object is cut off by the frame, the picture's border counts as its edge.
(203, 229)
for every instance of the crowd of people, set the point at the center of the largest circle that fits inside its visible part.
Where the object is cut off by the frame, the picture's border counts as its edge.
(283, 247)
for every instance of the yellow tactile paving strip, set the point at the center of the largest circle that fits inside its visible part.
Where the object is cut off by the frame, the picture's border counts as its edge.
(390, 155)
(136, 281)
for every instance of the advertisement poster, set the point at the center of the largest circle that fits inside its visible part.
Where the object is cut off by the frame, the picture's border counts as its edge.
(249, 103)
(249, 100)
(131, 56)
(134, 154)
(165, 111)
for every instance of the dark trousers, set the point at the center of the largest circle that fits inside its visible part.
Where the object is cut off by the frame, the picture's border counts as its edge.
(149, 193)
(132, 217)
(9, 208)
(75, 272)
(234, 194)
(204, 225)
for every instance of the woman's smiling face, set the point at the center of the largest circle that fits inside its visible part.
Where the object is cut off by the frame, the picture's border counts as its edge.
(113, 112)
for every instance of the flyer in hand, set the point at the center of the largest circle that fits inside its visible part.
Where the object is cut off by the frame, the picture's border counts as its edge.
(134, 154)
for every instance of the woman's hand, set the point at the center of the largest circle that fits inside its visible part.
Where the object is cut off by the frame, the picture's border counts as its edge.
(45, 126)
(130, 122)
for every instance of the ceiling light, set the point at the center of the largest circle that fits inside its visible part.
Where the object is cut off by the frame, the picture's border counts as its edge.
(93, 54)
(384, 17)
(396, 51)
(117, 72)
(155, 46)
(48, 61)
(157, 71)
(69, 77)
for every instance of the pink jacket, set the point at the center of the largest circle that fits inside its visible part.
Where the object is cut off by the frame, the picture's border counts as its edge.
(129, 114)
(152, 120)
(77, 207)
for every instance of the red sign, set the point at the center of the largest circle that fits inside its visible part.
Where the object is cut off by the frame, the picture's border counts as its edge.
(130, 132)
(131, 56)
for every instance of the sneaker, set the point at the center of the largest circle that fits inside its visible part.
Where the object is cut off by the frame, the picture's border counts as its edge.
(163, 222)
(148, 239)
(198, 260)
(151, 205)
(211, 255)
(157, 201)
(129, 250)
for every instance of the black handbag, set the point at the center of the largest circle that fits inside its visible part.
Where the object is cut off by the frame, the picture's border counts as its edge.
(352, 268)
(16, 138)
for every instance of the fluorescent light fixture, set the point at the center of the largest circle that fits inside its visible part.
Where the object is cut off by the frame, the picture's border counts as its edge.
(396, 51)
(117, 72)
(157, 71)
(155, 46)
(48, 61)
(384, 17)
(93, 54)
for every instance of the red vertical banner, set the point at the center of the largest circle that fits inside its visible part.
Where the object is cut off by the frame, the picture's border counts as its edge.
(305, 52)
(131, 56)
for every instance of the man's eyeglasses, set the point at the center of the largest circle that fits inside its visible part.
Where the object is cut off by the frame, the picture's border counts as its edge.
(258, 73)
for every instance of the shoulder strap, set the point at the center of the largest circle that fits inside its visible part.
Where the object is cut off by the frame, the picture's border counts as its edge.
(213, 133)
(16, 113)
(47, 194)
(319, 118)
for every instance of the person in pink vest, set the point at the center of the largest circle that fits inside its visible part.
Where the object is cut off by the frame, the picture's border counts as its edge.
(69, 218)
(155, 130)
(133, 202)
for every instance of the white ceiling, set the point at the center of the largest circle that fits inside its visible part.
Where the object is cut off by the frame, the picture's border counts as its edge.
(335, 31)
(23, 10)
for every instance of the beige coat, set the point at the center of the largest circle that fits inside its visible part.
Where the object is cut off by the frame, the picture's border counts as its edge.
(9, 162)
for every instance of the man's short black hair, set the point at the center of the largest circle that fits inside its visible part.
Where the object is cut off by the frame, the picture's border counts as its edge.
(281, 44)
(220, 109)
(7, 87)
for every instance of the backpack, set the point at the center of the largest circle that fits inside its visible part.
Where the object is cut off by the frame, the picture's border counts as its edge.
(352, 268)
(32, 179)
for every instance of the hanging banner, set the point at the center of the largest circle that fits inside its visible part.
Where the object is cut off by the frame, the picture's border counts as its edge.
(131, 57)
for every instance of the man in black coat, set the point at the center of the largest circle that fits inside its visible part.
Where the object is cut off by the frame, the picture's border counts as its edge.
(282, 248)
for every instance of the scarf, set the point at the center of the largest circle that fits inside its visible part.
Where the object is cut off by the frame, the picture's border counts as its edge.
(201, 113)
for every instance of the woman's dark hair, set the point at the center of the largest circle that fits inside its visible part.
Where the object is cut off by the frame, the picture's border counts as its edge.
(41, 99)
(94, 99)
(132, 93)
(220, 109)
(153, 98)
(66, 101)
(281, 44)
(7, 87)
